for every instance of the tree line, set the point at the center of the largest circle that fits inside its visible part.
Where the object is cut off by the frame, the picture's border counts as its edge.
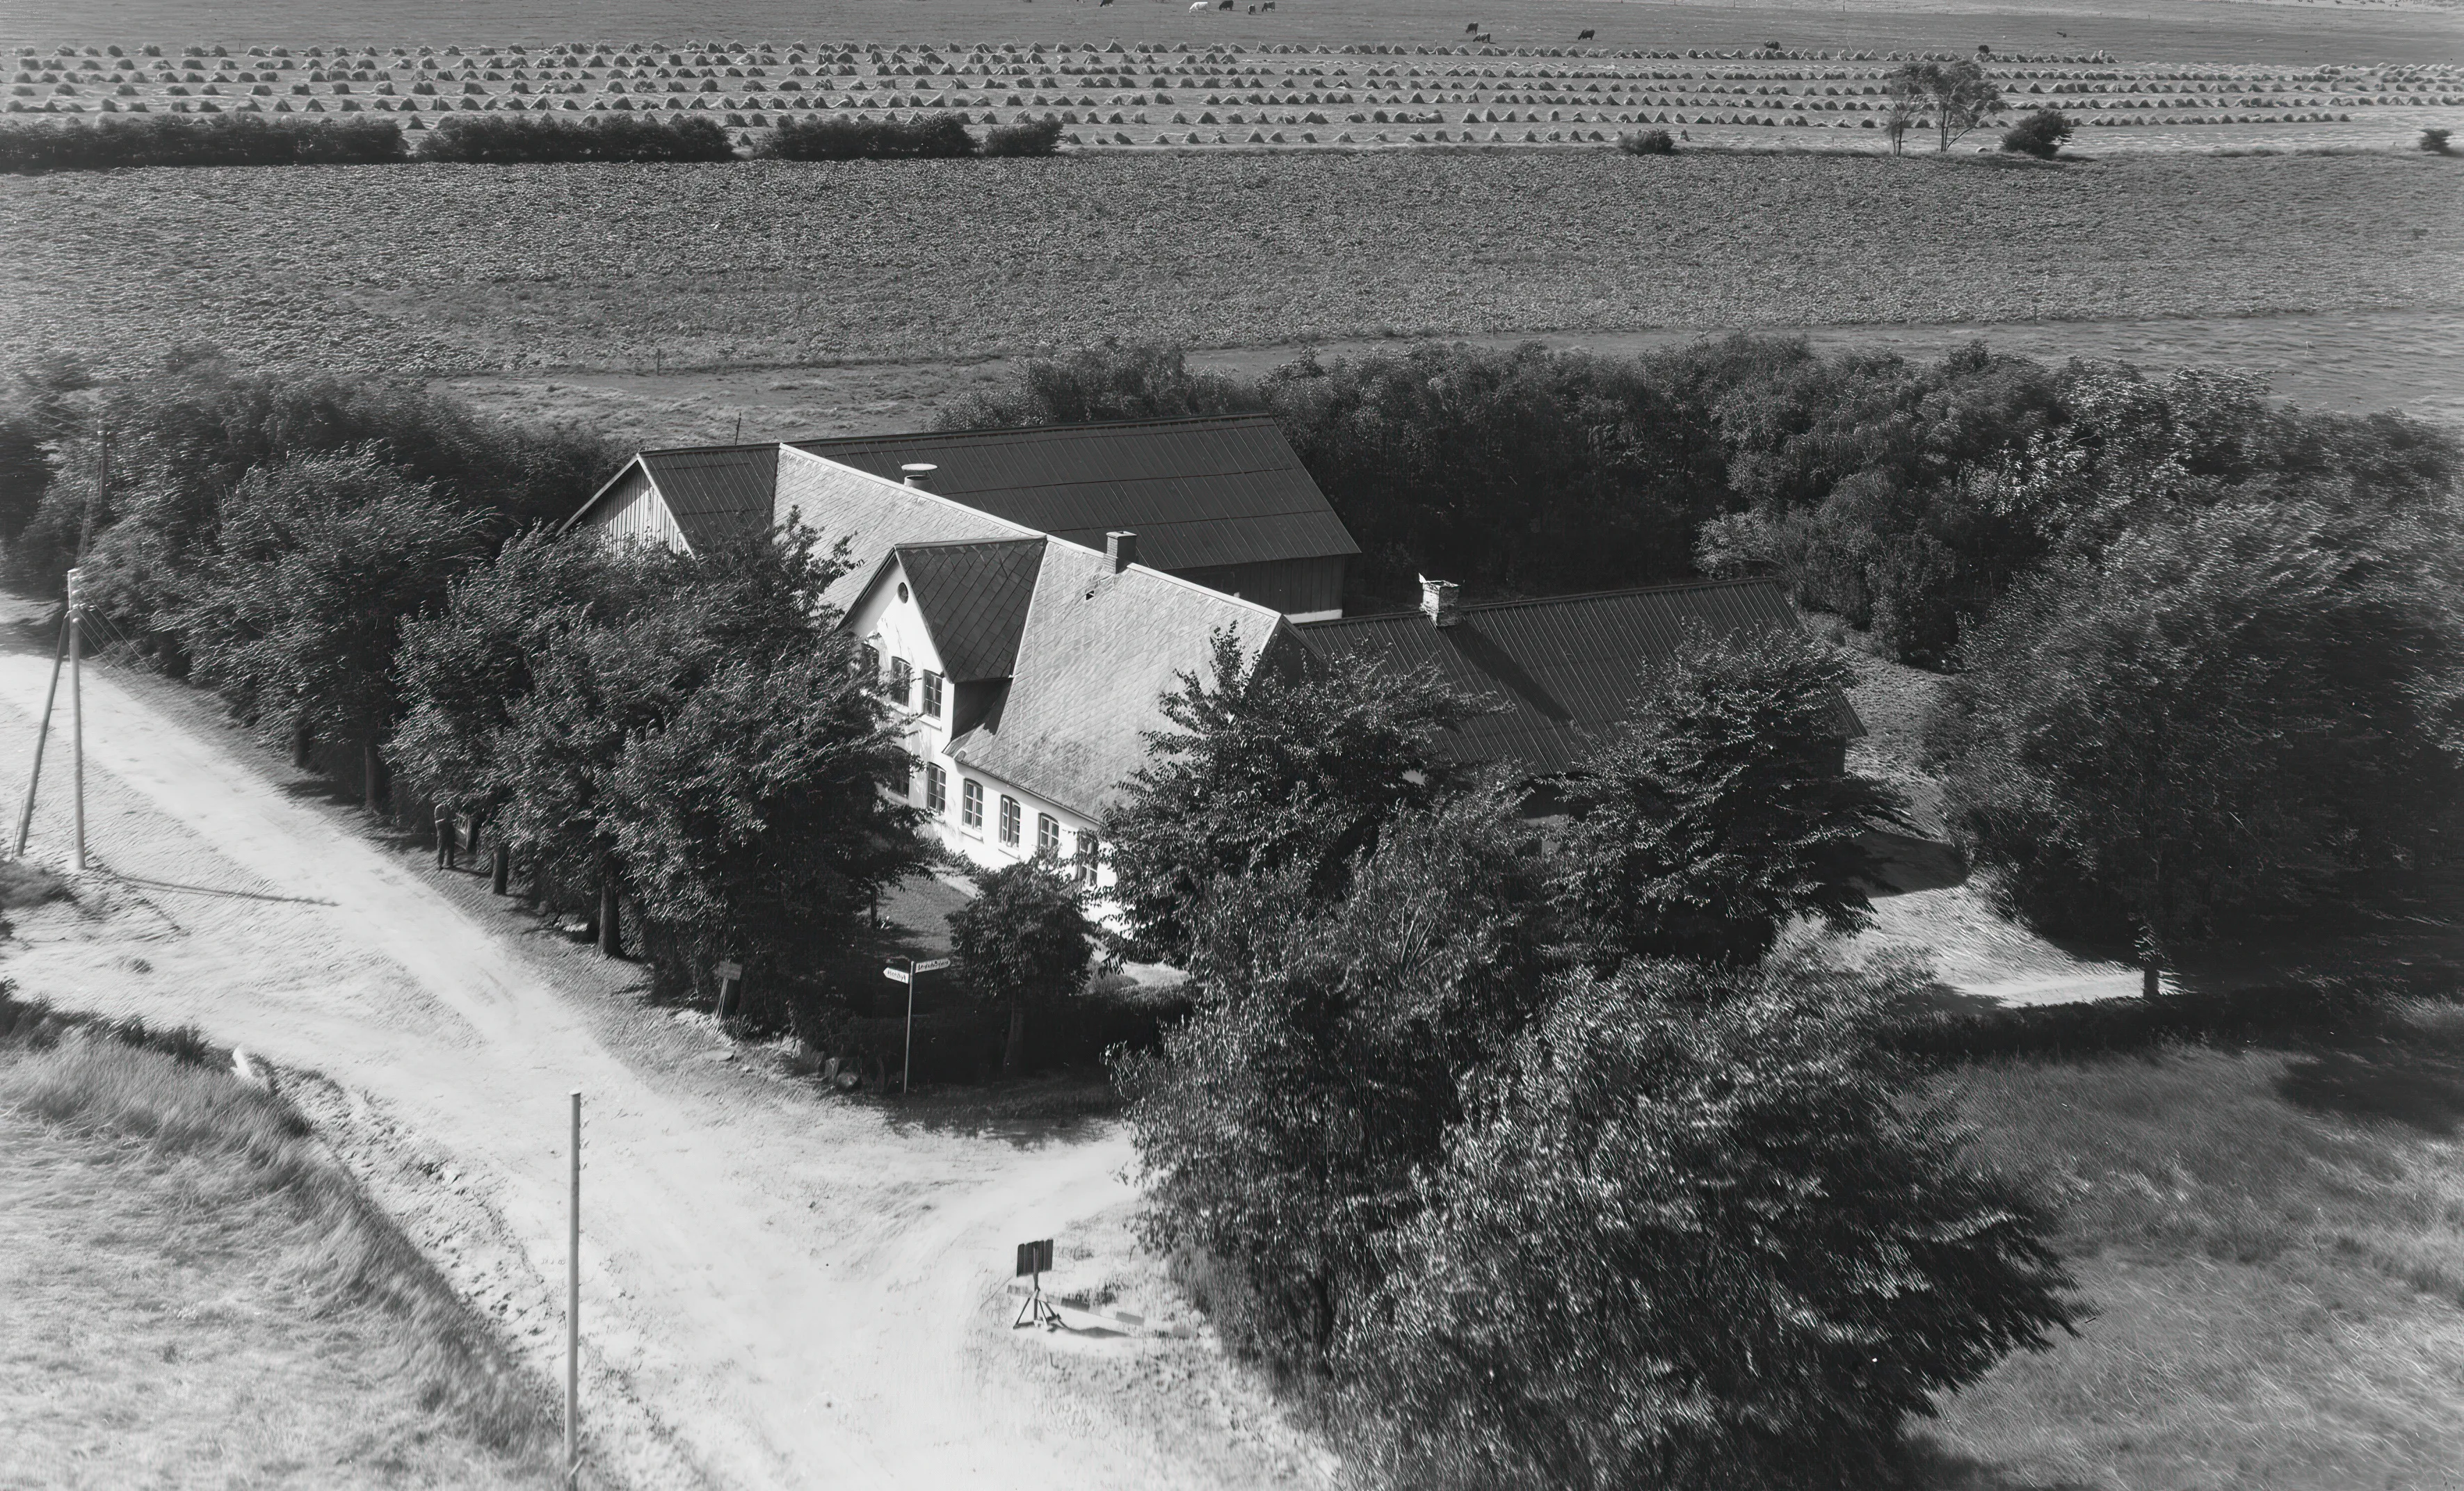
(369, 574)
(1556, 1152)
(490, 139)
(2205, 660)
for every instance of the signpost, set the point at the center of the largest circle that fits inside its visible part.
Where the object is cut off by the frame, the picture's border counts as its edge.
(1033, 1259)
(907, 976)
(730, 974)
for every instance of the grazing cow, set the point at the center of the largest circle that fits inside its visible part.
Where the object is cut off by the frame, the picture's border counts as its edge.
(1586, 35)
(1481, 39)
(1225, 5)
(1268, 6)
(1200, 6)
(1473, 29)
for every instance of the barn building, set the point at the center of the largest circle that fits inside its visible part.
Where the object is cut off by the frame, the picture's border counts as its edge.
(1555, 675)
(1026, 667)
(1219, 500)
(1027, 645)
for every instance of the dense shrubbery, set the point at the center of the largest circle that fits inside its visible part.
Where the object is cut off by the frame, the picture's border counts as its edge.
(1522, 1211)
(938, 135)
(1905, 497)
(180, 440)
(507, 139)
(1034, 137)
(198, 140)
(691, 732)
(2041, 134)
(1648, 142)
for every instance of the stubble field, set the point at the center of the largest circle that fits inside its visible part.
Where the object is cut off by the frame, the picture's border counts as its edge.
(444, 269)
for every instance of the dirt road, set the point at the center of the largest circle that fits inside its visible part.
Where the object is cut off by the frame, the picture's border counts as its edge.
(792, 1287)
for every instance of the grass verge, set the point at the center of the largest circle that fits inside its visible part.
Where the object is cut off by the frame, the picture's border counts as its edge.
(2273, 1240)
(198, 1294)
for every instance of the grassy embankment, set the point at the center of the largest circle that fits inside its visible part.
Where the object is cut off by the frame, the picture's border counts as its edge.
(197, 1293)
(2271, 1239)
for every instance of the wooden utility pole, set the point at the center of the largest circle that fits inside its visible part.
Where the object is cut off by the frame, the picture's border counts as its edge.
(77, 713)
(573, 1310)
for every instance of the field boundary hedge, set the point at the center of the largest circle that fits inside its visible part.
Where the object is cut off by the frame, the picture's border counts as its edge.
(543, 139)
(216, 140)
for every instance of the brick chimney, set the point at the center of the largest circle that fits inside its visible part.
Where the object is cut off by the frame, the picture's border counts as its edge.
(1437, 602)
(1121, 548)
(917, 470)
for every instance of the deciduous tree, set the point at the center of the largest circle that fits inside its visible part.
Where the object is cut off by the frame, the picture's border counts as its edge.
(1720, 811)
(1025, 942)
(294, 613)
(2224, 711)
(1289, 762)
(1692, 1232)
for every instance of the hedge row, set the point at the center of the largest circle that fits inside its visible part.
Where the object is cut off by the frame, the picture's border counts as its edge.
(938, 136)
(509, 140)
(492, 139)
(186, 140)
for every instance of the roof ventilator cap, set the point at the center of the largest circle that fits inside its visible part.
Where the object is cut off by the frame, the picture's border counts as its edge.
(917, 470)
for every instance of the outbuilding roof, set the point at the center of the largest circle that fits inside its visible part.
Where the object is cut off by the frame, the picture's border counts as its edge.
(1199, 493)
(1556, 673)
(712, 491)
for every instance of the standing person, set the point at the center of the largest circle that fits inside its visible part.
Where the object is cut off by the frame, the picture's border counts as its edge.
(448, 833)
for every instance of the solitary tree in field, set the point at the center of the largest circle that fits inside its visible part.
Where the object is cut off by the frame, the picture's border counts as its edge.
(1957, 95)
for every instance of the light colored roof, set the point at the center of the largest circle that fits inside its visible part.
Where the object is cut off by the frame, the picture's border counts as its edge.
(873, 515)
(1098, 652)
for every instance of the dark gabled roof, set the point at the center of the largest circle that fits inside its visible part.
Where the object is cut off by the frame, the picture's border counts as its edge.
(716, 491)
(973, 598)
(709, 490)
(1198, 493)
(1556, 673)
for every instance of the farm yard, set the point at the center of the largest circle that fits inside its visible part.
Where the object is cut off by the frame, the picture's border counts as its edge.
(411, 268)
(1185, 94)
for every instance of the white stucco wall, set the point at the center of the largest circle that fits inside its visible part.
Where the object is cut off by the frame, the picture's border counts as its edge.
(894, 625)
